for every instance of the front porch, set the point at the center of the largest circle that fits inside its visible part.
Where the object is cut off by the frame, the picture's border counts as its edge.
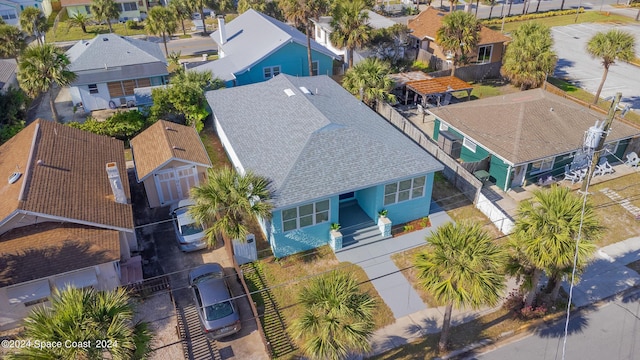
(357, 228)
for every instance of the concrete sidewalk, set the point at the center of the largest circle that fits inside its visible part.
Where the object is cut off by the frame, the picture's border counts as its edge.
(607, 276)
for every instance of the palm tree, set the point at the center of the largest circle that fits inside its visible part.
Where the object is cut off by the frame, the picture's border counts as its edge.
(12, 41)
(301, 13)
(461, 267)
(33, 21)
(610, 46)
(545, 235)
(219, 6)
(161, 21)
(458, 34)
(529, 57)
(105, 10)
(228, 200)
(41, 67)
(86, 315)
(181, 11)
(370, 81)
(338, 317)
(80, 19)
(350, 26)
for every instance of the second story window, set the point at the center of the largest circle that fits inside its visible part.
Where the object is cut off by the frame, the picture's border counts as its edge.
(271, 71)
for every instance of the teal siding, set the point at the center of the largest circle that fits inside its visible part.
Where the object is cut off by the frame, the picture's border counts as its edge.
(500, 172)
(436, 129)
(292, 59)
(370, 200)
(307, 238)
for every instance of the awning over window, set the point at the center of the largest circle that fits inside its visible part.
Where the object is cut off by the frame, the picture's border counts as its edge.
(77, 279)
(28, 292)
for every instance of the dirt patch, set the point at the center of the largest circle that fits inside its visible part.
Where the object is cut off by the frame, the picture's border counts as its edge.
(159, 312)
(620, 224)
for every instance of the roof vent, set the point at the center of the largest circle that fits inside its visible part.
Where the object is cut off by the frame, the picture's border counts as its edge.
(551, 109)
(14, 177)
(177, 148)
(40, 162)
(289, 92)
(105, 39)
(305, 90)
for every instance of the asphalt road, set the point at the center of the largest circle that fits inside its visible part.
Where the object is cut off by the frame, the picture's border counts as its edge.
(610, 332)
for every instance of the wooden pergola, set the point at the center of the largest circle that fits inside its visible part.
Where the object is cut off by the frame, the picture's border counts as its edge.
(435, 88)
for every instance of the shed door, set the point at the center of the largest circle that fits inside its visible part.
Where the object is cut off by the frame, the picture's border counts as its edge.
(174, 184)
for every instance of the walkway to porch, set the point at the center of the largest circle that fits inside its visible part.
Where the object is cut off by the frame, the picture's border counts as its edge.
(374, 256)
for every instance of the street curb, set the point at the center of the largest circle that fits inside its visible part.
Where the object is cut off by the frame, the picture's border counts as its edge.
(527, 329)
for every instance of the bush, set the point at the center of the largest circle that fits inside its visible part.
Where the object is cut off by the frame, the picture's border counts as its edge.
(531, 312)
(131, 25)
(514, 302)
(122, 125)
(9, 131)
(539, 15)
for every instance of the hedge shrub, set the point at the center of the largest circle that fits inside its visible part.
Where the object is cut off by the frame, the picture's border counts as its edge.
(539, 15)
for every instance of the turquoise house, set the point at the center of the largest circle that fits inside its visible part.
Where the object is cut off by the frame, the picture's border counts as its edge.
(255, 47)
(522, 137)
(330, 158)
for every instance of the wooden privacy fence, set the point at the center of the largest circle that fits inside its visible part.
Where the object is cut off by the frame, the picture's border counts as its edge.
(462, 179)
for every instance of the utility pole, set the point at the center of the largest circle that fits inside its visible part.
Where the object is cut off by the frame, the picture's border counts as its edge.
(603, 138)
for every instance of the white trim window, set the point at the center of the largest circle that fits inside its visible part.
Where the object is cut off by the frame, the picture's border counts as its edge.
(93, 88)
(305, 215)
(469, 144)
(129, 6)
(315, 65)
(271, 71)
(542, 165)
(8, 14)
(610, 148)
(404, 190)
(484, 54)
(443, 126)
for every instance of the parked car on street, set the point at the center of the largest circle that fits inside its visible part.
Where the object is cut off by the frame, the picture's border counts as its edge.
(190, 235)
(217, 311)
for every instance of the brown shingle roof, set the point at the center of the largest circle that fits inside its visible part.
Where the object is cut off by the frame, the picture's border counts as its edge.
(427, 23)
(165, 141)
(46, 249)
(526, 126)
(64, 171)
(439, 85)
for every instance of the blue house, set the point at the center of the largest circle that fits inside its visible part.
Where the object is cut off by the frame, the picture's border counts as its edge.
(331, 159)
(525, 136)
(255, 47)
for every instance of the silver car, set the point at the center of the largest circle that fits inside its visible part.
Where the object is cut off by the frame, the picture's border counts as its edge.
(190, 235)
(218, 313)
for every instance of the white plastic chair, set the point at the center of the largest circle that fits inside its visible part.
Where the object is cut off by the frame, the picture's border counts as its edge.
(603, 168)
(570, 175)
(632, 159)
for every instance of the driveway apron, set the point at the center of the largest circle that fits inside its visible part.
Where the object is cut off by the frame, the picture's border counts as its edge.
(375, 259)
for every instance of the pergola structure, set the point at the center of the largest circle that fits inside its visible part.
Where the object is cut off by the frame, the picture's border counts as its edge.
(435, 88)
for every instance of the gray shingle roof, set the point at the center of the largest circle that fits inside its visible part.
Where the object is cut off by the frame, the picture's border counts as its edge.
(111, 50)
(250, 38)
(527, 126)
(316, 145)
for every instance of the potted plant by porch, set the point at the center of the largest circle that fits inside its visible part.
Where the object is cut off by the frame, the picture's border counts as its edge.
(382, 213)
(336, 236)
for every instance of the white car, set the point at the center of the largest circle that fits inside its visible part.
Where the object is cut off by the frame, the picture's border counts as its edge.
(190, 235)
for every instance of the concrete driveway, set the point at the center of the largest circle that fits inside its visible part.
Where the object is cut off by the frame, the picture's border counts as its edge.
(162, 258)
(577, 65)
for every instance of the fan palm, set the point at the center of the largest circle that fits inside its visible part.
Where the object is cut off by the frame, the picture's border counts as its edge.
(458, 35)
(338, 317)
(610, 46)
(81, 20)
(11, 41)
(369, 80)
(181, 11)
(529, 56)
(228, 200)
(350, 26)
(86, 315)
(161, 21)
(41, 67)
(545, 236)
(33, 21)
(105, 10)
(461, 267)
(300, 13)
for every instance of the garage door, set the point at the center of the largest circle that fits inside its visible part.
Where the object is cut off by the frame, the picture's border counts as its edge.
(174, 184)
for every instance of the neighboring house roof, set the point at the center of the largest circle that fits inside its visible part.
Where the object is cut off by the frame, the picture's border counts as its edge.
(313, 145)
(438, 85)
(376, 21)
(527, 126)
(111, 50)
(47, 249)
(163, 142)
(427, 23)
(143, 95)
(251, 37)
(7, 71)
(63, 176)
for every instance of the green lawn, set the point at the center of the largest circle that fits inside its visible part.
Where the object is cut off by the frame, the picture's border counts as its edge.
(65, 33)
(562, 20)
